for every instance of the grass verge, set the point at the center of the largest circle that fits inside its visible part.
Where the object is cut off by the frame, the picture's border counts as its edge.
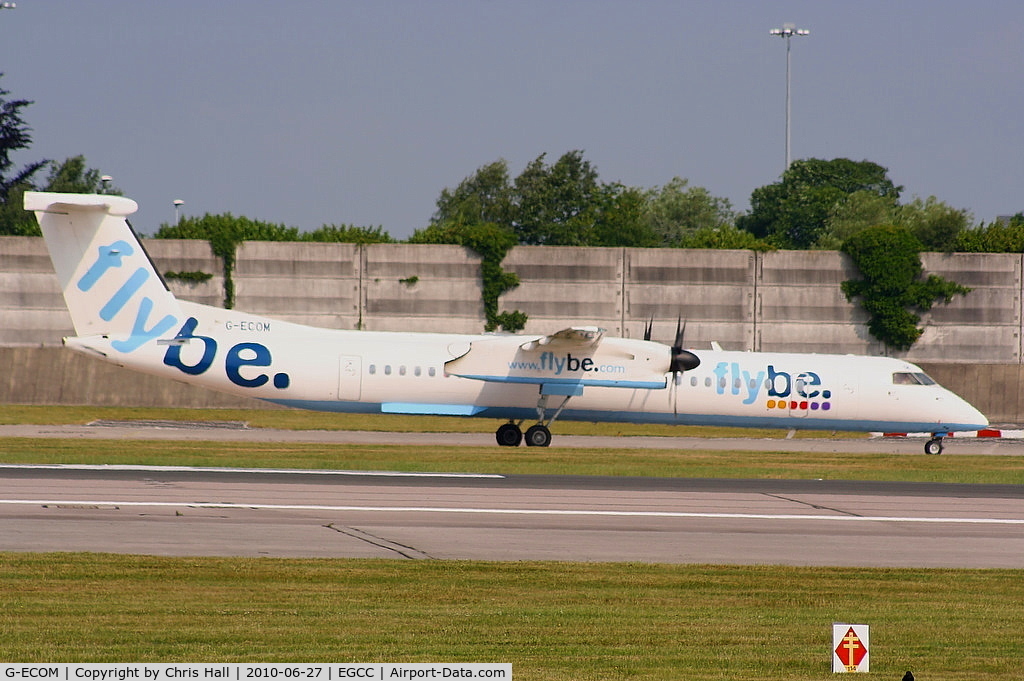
(551, 620)
(540, 461)
(292, 419)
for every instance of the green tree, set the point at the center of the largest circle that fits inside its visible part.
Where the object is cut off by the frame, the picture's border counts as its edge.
(225, 232)
(724, 237)
(15, 135)
(621, 219)
(675, 211)
(936, 224)
(996, 237)
(853, 213)
(74, 177)
(348, 234)
(483, 197)
(889, 261)
(492, 242)
(794, 212)
(557, 205)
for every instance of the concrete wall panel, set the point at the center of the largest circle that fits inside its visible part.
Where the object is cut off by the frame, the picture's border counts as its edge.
(55, 375)
(562, 286)
(831, 338)
(305, 283)
(425, 287)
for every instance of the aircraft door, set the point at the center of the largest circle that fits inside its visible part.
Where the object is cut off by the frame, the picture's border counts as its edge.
(350, 377)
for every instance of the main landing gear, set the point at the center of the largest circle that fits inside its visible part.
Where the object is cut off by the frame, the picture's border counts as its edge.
(538, 435)
(509, 435)
(934, 446)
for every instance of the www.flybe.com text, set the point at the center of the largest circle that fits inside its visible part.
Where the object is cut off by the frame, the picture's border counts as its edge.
(557, 365)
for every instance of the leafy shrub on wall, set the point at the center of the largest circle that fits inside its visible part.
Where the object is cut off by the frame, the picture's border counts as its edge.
(889, 259)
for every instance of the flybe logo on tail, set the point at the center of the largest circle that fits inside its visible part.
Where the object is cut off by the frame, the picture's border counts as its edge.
(109, 258)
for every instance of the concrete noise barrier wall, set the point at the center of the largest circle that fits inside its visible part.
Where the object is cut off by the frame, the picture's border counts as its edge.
(777, 301)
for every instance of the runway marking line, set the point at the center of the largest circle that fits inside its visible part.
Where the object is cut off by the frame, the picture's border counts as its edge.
(288, 471)
(510, 511)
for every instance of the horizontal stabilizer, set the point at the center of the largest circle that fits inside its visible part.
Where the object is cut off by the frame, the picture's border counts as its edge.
(109, 283)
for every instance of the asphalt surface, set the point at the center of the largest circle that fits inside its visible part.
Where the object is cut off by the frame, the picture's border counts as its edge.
(237, 512)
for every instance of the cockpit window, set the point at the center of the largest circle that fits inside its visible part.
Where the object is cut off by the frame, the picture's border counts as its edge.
(912, 378)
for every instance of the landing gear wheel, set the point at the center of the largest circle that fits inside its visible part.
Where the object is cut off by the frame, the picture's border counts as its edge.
(508, 435)
(538, 436)
(933, 447)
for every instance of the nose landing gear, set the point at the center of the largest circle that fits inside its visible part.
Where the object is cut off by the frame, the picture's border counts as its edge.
(934, 446)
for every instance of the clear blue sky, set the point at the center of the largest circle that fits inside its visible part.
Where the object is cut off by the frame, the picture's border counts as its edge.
(310, 112)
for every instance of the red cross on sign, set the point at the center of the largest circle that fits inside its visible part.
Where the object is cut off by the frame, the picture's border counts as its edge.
(851, 650)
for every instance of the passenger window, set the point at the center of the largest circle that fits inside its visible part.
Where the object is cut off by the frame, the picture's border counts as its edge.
(431, 372)
(373, 369)
(387, 369)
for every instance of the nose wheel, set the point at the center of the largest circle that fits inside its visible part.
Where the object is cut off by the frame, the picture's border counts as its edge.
(933, 447)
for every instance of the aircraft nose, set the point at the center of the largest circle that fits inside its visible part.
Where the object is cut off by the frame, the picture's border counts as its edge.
(965, 413)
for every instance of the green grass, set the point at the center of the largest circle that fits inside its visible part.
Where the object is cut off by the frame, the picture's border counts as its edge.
(550, 620)
(291, 419)
(523, 460)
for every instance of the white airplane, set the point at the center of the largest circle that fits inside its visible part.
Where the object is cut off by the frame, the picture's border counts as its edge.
(124, 313)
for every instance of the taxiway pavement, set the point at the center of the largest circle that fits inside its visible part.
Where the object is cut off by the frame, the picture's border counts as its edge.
(215, 512)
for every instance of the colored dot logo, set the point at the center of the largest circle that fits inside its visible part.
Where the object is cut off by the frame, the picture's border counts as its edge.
(799, 405)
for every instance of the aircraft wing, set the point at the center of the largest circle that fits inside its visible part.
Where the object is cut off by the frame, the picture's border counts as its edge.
(564, 361)
(581, 336)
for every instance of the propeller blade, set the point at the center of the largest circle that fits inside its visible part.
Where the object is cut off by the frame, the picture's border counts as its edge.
(649, 328)
(682, 360)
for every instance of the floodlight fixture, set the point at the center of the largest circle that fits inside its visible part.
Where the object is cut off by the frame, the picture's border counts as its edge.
(788, 31)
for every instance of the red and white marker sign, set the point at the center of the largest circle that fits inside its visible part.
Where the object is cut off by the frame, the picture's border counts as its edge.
(850, 644)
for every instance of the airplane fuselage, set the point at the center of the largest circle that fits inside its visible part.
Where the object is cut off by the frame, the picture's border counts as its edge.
(389, 372)
(124, 313)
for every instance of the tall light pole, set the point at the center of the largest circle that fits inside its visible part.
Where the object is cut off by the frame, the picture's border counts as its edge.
(788, 31)
(178, 203)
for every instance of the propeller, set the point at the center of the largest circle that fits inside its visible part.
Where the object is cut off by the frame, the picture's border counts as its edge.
(680, 360)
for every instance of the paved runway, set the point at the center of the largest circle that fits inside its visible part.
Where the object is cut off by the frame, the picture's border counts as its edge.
(172, 511)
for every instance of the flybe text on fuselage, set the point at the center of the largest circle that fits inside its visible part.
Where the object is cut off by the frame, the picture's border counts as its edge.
(781, 388)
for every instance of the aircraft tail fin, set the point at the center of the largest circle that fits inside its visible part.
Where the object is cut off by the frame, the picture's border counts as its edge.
(110, 285)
